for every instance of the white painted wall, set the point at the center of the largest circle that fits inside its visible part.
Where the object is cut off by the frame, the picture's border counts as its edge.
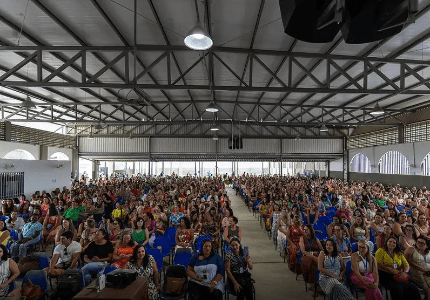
(414, 152)
(40, 174)
(52, 150)
(6, 147)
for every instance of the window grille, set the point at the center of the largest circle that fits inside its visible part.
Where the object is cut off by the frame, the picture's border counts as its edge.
(360, 163)
(11, 185)
(394, 162)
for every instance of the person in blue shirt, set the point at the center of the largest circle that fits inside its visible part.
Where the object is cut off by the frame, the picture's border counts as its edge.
(205, 270)
(29, 236)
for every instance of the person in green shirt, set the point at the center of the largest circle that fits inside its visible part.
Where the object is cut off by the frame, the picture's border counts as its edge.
(74, 211)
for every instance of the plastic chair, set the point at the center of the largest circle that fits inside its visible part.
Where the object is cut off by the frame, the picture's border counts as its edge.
(163, 242)
(13, 235)
(176, 271)
(171, 233)
(200, 240)
(320, 230)
(182, 258)
(156, 254)
(351, 285)
(354, 247)
(325, 220)
(38, 277)
(228, 292)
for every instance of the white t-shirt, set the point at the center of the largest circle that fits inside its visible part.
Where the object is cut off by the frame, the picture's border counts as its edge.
(73, 248)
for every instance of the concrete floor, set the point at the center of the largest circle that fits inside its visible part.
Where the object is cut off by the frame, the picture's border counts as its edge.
(273, 278)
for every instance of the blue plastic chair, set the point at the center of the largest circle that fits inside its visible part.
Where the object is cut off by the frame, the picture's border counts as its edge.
(182, 258)
(14, 234)
(200, 240)
(325, 220)
(171, 233)
(351, 285)
(320, 230)
(354, 247)
(156, 254)
(37, 277)
(163, 242)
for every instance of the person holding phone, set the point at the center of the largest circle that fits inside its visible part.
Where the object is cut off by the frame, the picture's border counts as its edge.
(237, 263)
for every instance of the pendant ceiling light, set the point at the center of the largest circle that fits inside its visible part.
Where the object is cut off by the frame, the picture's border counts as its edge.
(211, 107)
(323, 128)
(377, 110)
(198, 38)
(215, 137)
(90, 136)
(98, 126)
(28, 103)
(214, 127)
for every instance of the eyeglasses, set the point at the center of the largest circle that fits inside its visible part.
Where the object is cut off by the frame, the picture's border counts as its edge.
(65, 251)
(421, 243)
(115, 223)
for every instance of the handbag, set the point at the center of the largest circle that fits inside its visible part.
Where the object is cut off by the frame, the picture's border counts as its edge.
(399, 279)
(31, 291)
(175, 286)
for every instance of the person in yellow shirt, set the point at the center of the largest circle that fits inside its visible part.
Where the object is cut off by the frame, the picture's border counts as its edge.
(118, 212)
(393, 268)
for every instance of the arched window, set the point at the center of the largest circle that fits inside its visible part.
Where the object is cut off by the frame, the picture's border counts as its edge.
(360, 163)
(394, 162)
(425, 165)
(19, 154)
(59, 156)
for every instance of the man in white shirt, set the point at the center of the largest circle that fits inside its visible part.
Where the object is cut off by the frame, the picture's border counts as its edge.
(65, 255)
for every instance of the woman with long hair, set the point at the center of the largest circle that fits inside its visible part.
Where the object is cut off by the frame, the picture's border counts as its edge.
(422, 225)
(184, 236)
(332, 270)
(237, 264)
(310, 247)
(282, 224)
(393, 271)
(383, 237)
(140, 233)
(123, 250)
(409, 239)
(419, 260)
(51, 224)
(294, 232)
(146, 267)
(365, 271)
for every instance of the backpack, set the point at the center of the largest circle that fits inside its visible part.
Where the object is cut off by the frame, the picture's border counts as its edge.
(68, 286)
(174, 286)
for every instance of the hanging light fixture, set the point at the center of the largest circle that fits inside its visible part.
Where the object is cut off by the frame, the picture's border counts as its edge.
(298, 137)
(198, 38)
(214, 127)
(90, 136)
(98, 126)
(28, 103)
(215, 137)
(211, 107)
(377, 110)
(323, 128)
(130, 136)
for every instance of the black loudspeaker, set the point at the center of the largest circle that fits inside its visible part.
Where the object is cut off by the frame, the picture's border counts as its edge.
(306, 20)
(230, 144)
(236, 143)
(368, 21)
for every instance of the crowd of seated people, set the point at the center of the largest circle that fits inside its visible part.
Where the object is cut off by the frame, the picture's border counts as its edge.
(117, 222)
(378, 235)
